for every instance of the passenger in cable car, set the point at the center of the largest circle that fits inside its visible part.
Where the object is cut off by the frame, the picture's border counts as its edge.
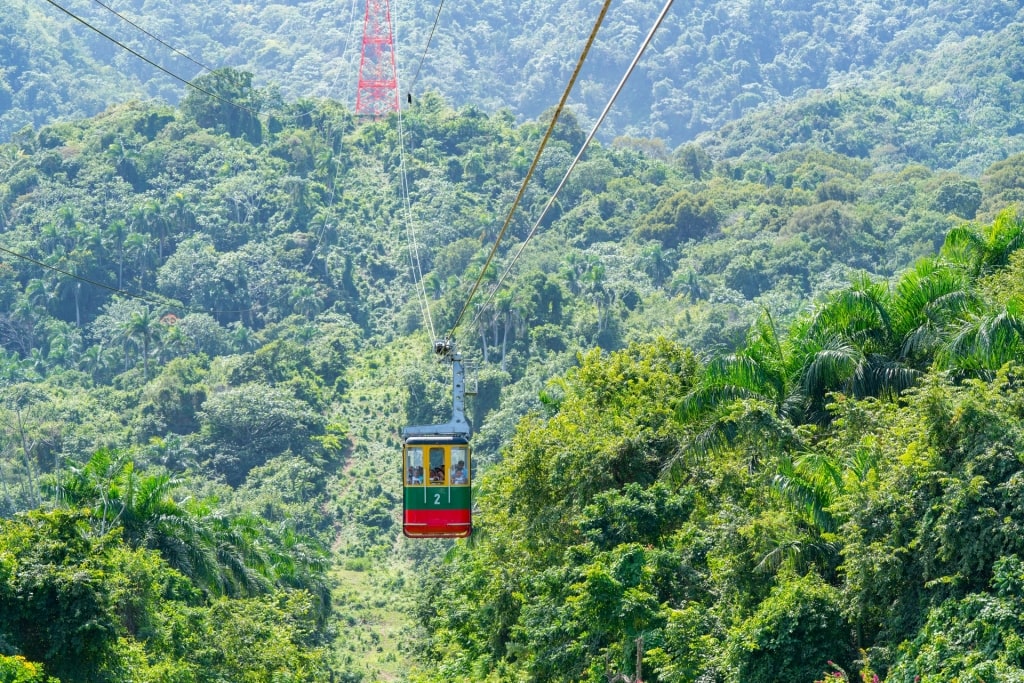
(459, 473)
(437, 466)
(414, 467)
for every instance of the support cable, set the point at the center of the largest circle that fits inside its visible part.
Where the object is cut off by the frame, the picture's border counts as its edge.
(414, 252)
(95, 283)
(165, 70)
(344, 50)
(157, 39)
(533, 167)
(426, 47)
(579, 156)
(153, 64)
(415, 264)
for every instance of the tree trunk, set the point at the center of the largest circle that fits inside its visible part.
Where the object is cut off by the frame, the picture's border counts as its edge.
(33, 490)
(504, 339)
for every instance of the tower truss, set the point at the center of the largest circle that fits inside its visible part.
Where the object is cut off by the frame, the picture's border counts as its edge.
(377, 92)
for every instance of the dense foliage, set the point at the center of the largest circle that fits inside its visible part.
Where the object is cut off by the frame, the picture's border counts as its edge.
(952, 71)
(771, 514)
(769, 377)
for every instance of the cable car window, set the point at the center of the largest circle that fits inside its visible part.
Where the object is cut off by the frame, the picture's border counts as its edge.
(460, 472)
(414, 465)
(437, 473)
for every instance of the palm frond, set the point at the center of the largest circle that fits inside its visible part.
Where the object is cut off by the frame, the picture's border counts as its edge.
(797, 554)
(812, 501)
(830, 367)
(820, 470)
(963, 246)
(876, 375)
(921, 341)
(858, 312)
(749, 372)
(708, 399)
(985, 342)
(863, 461)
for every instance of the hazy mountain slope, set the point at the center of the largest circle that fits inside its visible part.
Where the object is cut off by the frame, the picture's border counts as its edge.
(960, 106)
(711, 62)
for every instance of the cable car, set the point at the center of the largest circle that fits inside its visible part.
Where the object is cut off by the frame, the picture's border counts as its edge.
(436, 483)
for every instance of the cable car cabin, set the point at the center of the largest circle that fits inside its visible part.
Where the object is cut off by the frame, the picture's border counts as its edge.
(436, 492)
(437, 500)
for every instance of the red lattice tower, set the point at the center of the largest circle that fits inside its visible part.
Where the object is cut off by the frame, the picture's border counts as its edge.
(377, 93)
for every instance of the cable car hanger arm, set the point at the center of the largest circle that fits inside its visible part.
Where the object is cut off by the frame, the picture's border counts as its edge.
(457, 425)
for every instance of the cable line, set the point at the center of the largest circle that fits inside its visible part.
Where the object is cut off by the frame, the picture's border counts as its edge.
(579, 155)
(414, 252)
(153, 64)
(157, 39)
(533, 167)
(190, 84)
(426, 47)
(95, 283)
(415, 264)
(344, 49)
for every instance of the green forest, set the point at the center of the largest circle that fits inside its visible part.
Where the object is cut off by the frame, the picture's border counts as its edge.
(747, 407)
(713, 62)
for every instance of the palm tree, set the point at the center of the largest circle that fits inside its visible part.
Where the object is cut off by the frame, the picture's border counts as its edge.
(597, 290)
(763, 370)
(65, 343)
(656, 263)
(299, 563)
(113, 238)
(326, 165)
(305, 300)
(175, 342)
(762, 391)
(139, 246)
(93, 360)
(226, 554)
(750, 396)
(242, 337)
(859, 313)
(142, 507)
(512, 311)
(149, 219)
(142, 326)
(36, 294)
(850, 345)
(810, 484)
(982, 342)
(928, 299)
(92, 485)
(981, 248)
(179, 212)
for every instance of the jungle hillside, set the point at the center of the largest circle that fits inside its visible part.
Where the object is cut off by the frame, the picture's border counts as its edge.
(746, 409)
